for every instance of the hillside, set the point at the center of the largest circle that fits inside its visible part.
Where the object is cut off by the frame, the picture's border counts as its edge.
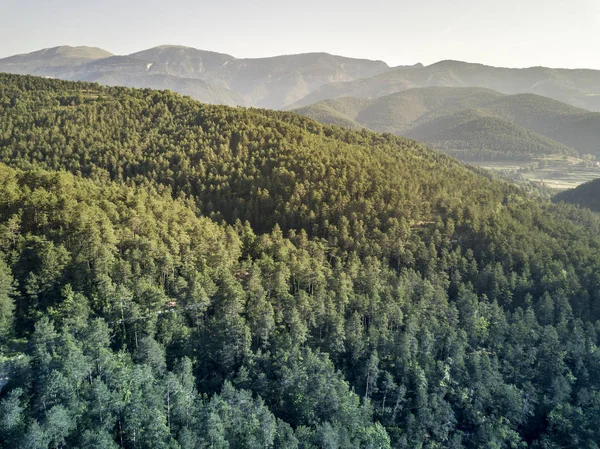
(339, 112)
(472, 135)
(586, 195)
(538, 125)
(279, 81)
(175, 274)
(184, 62)
(579, 88)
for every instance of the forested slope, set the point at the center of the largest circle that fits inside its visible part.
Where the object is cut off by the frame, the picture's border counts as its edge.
(585, 195)
(191, 276)
(475, 135)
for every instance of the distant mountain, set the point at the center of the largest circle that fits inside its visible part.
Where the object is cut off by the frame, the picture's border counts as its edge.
(267, 82)
(273, 82)
(291, 81)
(184, 62)
(580, 88)
(51, 60)
(91, 64)
(585, 195)
(470, 119)
(280, 81)
(131, 71)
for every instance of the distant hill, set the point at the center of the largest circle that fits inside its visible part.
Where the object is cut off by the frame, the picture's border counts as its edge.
(273, 82)
(282, 80)
(339, 112)
(475, 137)
(580, 88)
(452, 118)
(586, 195)
(88, 64)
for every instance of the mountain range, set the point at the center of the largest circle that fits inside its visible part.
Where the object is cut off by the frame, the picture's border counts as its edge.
(292, 81)
(580, 88)
(471, 119)
(206, 76)
(471, 111)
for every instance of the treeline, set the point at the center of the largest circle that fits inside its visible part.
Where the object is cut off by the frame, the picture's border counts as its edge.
(244, 278)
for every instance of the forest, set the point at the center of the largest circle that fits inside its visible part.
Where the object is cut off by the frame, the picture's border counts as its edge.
(184, 276)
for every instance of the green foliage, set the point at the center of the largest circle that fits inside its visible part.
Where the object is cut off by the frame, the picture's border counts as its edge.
(475, 136)
(199, 277)
(6, 300)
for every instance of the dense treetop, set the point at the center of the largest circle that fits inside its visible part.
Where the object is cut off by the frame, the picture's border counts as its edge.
(187, 276)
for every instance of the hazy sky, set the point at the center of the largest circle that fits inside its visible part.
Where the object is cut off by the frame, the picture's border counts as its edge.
(513, 33)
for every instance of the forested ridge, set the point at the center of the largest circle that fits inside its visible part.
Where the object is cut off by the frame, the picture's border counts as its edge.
(180, 275)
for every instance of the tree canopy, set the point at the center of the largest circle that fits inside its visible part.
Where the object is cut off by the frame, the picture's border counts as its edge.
(180, 275)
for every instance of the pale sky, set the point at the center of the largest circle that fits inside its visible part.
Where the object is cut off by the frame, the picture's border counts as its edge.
(511, 33)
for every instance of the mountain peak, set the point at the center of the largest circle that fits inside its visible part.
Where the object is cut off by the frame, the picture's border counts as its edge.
(79, 52)
(452, 63)
(60, 53)
(171, 48)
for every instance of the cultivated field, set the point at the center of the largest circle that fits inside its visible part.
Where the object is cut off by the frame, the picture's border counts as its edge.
(556, 173)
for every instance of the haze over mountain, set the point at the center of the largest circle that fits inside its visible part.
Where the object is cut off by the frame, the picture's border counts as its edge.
(44, 62)
(294, 80)
(130, 71)
(473, 119)
(580, 88)
(265, 82)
